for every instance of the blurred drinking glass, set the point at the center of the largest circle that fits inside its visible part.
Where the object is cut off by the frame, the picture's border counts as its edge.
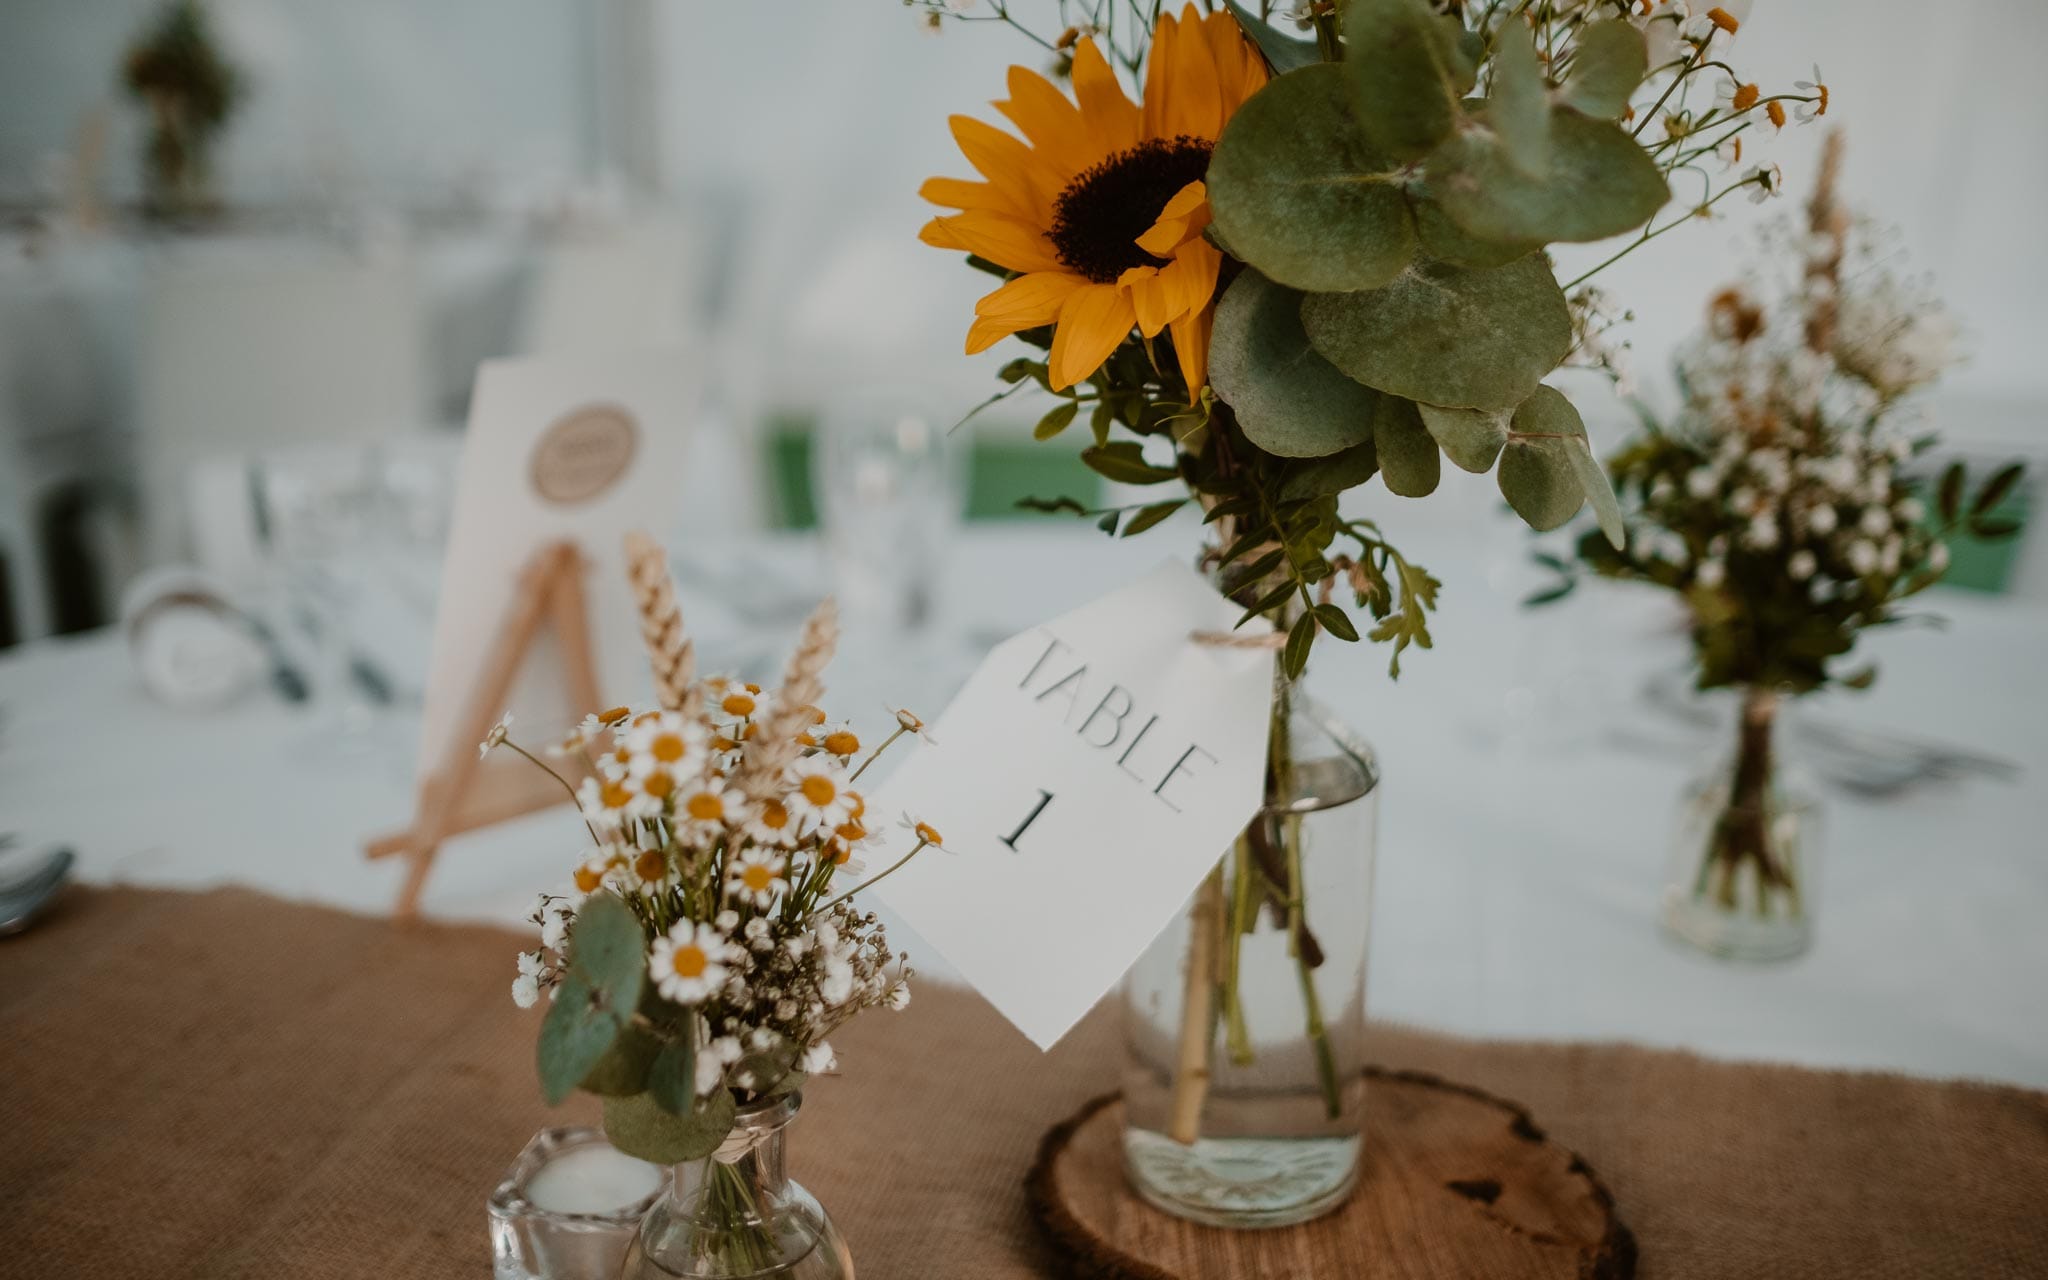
(318, 509)
(889, 485)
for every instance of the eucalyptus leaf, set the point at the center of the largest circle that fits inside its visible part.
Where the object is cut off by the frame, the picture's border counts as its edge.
(1407, 67)
(1476, 339)
(1283, 53)
(574, 1037)
(623, 1069)
(1600, 183)
(608, 948)
(1443, 240)
(1519, 108)
(1611, 61)
(672, 1078)
(1297, 191)
(1289, 401)
(642, 1127)
(1334, 474)
(1471, 438)
(1537, 474)
(1409, 462)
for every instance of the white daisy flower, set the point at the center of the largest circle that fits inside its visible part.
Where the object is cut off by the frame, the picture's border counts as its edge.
(911, 724)
(606, 803)
(817, 1059)
(924, 831)
(607, 865)
(1801, 565)
(841, 742)
(666, 741)
(1733, 97)
(525, 991)
(771, 823)
(1729, 153)
(818, 794)
(755, 876)
(496, 736)
(740, 701)
(706, 805)
(726, 920)
(1765, 181)
(690, 963)
(650, 871)
(1818, 87)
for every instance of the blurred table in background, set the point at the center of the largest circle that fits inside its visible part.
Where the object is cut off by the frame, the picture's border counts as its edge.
(1528, 802)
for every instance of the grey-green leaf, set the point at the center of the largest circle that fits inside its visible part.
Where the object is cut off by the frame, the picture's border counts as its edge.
(1519, 107)
(1441, 335)
(1297, 192)
(1471, 438)
(1283, 52)
(1611, 61)
(1537, 475)
(608, 948)
(1334, 474)
(624, 1067)
(1600, 183)
(1409, 462)
(1443, 240)
(1407, 66)
(672, 1079)
(640, 1126)
(574, 1037)
(1289, 401)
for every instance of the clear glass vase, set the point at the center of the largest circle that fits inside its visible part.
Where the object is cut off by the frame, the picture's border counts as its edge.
(1245, 1019)
(738, 1214)
(1740, 883)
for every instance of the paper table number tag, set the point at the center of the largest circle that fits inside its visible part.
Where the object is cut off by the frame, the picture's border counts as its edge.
(1087, 776)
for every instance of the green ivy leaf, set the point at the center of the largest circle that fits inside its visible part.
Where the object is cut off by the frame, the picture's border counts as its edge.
(1055, 421)
(1294, 658)
(1443, 240)
(1446, 336)
(1519, 106)
(1408, 67)
(1599, 184)
(1299, 193)
(1537, 474)
(1289, 401)
(1283, 53)
(642, 1127)
(1471, 438)
(1125, 463)
(1409, 462)
(1611, 61)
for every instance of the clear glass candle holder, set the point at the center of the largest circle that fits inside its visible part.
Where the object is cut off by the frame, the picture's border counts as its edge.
(569, 1208)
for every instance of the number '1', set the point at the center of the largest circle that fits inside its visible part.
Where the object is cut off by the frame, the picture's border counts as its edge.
(1044, 799)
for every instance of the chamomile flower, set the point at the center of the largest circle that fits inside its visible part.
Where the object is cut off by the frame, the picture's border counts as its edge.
(707, 805)
(667, 743)
(740, 701)
(651, 870)
(1734, 97)
(818, 793)
(691, 962)
(1818, 88)
(1729, 153)
(755, 876)
(1765, 181)
(771, 823)
(496, 737)
(607, 803)
(911, 724)
(608, 863)
(924, 831)
(840, 742)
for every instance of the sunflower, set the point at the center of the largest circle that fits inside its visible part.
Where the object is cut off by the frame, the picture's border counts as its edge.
(1101, 208)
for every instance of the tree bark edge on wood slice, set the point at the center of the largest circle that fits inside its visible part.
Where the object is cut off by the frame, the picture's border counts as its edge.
(1456, 1182)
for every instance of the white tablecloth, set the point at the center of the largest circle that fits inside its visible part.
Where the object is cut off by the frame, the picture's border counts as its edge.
(1519, 865)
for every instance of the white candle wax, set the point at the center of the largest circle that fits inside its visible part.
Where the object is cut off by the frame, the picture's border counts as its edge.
(591, 1179)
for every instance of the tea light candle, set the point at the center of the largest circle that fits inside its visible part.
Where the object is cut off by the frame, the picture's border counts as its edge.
(594, 1178)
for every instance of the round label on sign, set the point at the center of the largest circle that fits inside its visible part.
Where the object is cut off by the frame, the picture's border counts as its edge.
(583, 453)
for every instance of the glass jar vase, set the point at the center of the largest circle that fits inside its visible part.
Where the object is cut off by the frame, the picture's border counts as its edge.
(1740, 882)
(1244, 1020)
(737, 1213)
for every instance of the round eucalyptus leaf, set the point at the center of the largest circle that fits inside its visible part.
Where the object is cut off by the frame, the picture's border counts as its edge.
(1320, 477)
(1296, 191)
(624, 1067)
(1519, 108)
(1600, 183)
(1408, 458)
(1407, 66)
(1611, 61)
(575, 1036)
(1288, 399)
(640, 1126)
(1442, 335)
(1471, 438)
(1537, 475)
(608, 948)
(672, 1077)
(1443, 240)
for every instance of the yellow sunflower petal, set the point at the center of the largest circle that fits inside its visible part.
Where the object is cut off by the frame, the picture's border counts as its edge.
(1093, 321)
(1031, 299)
(1001, 239)
(985, 333)
(1240, 72)
(1183, 217)
(1148, 298)
(1009, 165)
(1159, 69)
(1195, 107)
(1190, 279)
(1108, 114)
(958, 193)
(1052, 123)
(1191, 345)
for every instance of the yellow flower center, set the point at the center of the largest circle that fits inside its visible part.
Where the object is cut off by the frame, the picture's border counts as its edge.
(842, 743)
(1723, 19)
(816, 716)
(928, 835)
(690, 961)
(1745, 97)
(855, 805)
(737, 704)
(668, 748)
(819, 790)
(1776, 111)
(658, 784)
(757, 877)
(851, 831)
(587, 879)
(616, 796)
(705, 807)
(650, 865)
(613, 716)
(774, 815)
(1098, 218)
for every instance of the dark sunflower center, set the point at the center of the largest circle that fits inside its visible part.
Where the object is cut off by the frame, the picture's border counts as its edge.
(1101, 214)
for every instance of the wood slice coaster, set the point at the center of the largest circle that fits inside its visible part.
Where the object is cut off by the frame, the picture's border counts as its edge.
(1456, 1184)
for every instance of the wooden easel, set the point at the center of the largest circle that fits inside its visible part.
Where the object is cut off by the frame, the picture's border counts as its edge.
(466, 792)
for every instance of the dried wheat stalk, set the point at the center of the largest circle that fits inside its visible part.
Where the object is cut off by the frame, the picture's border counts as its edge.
(775, 743)
(669, 651)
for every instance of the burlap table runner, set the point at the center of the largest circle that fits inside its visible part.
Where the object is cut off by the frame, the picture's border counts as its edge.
(225, 1085)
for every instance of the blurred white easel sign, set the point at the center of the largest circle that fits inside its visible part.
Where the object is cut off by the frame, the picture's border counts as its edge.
(563, 456)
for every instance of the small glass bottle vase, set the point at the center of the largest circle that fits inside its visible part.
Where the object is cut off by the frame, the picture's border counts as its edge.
(738, 1214)
(1741, 878)
(1244, 1020)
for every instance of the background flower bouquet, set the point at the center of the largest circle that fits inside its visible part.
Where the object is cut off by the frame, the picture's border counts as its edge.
(708, 949)
(1292, 264)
